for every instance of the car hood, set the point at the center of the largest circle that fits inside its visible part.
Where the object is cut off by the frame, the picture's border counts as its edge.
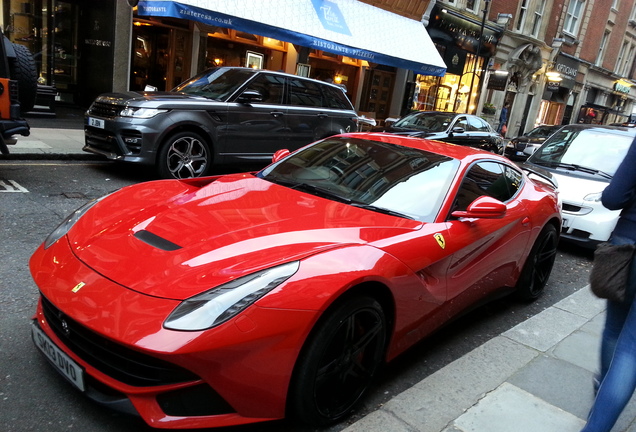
(132, 98)
(175, 239)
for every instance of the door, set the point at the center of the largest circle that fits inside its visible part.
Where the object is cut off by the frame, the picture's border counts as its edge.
(255, 130)
(379, 90)
(308, 119)
(490, 243)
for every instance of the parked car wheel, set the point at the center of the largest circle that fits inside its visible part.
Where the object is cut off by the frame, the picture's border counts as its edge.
(340, 361)
(184, 155)
(23, 70)
(538, 266)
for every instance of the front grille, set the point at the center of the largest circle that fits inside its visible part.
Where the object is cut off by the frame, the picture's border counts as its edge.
(102, 140)
(199, 400)
(106, 110)
(117, 361)
(571, 208)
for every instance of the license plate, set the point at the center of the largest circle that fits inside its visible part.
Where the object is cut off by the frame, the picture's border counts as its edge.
(62, 362)
(565, 223)
(520, 153)
(95, 122)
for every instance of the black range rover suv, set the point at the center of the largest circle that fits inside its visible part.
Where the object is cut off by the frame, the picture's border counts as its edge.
(222, 115)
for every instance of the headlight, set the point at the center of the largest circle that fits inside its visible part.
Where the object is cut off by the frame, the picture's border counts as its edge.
(68, 223)
(595, 197)
(218, 305)
(143, 113)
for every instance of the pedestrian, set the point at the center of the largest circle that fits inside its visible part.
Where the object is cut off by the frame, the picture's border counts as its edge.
(618, 346)
(503, 117)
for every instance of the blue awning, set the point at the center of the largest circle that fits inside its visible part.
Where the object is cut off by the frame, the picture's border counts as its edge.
(345, 27)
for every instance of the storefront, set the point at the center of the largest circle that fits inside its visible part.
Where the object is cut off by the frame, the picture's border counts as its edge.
(607, 106)
(559, 95)
(350, 43)
(72, 43)
(465, 47)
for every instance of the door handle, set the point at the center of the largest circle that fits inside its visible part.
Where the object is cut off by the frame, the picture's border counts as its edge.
(323, 115)
(277, 113)
(525, 221)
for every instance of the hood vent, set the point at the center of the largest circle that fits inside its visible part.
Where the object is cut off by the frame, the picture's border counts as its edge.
(156, 241)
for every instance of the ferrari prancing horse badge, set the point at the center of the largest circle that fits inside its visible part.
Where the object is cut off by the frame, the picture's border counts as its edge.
(440, 240)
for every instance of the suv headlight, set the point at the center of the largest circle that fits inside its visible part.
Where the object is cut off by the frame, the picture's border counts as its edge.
(143, 113)
(218, 305)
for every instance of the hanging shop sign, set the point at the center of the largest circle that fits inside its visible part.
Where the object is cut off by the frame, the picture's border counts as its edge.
(568, 68)
(621, 86)
(498, 80)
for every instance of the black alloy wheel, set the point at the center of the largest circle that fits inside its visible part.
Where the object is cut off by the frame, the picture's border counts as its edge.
(339, 362)
(184, 155)
(538, 266)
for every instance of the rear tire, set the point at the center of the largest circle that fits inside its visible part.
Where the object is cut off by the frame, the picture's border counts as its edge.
(536, 270)
(339, 361)
(184, 155)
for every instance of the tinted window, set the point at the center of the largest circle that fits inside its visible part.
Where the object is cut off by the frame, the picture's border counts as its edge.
(462, 122)
(335, 98)
(270, 87)
(304, 93)
(487, 178)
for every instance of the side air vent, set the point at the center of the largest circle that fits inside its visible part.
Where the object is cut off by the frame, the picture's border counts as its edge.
(156, 241)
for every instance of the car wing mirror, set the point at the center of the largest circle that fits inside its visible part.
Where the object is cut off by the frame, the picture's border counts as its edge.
(250, 96)
(280, 154)
(389, 121)
(484, 207)
(458, 129)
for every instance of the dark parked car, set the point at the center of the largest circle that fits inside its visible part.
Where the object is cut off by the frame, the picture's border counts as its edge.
(521, 147)
(222, 115)
(462, 129)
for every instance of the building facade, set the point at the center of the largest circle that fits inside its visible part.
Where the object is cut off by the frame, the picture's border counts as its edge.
(551, 61)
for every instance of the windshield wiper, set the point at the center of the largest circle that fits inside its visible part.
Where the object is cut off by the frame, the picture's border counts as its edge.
(381, 210)
(581, 168)
(308, 187)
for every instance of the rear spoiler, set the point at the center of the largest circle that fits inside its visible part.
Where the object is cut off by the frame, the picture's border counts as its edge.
(530, 172)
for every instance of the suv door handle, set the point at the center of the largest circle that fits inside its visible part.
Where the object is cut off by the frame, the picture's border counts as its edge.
(323, 115)
(277, 113)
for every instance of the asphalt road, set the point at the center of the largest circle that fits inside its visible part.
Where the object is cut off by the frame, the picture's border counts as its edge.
(36, 196)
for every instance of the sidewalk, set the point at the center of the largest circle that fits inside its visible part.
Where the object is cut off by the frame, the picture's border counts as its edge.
(535, 377)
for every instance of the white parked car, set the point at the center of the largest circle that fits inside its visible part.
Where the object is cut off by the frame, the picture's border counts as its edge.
(582, 159)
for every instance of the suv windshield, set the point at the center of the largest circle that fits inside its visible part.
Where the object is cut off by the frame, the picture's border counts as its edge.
(216, 84)
(596, 151)
(425, 121)
(381, 177)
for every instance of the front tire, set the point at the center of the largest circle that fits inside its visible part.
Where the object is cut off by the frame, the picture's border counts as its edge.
(536, 270)
(339, 361)
(184, 155)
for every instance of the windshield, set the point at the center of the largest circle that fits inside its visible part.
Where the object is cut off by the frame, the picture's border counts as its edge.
(541, 131)
(596, 149)
(426, 121)
(382, 177)
(217, 84)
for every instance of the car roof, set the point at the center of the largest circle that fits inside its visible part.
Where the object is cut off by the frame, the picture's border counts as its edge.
(600, 128)
(257, 71)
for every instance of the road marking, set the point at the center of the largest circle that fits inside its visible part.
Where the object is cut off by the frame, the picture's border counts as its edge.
(12, 186)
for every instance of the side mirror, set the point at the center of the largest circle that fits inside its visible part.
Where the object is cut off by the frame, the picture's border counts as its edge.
(389, 121)
(483, 207)
(458, 130)
(280, 154)
(250, 96)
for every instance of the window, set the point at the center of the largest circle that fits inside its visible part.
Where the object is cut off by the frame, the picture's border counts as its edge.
(538, 18)
(573, 16)
(270, 87)
(472, 5)
(615, 4)
(622, 57)
(477, 124)
(336, 98)
(521, 16)
(627, 61)
(487, 178)
(601, 49)
(304, 93)
(461, 122)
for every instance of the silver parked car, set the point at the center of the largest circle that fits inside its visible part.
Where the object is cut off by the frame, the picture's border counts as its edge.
(222, 115)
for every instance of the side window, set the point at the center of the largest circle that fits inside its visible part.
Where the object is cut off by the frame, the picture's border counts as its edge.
(304, 93)
(336, 98)
(477, 124)
(462, 122)
(487, 178)
(270, 87)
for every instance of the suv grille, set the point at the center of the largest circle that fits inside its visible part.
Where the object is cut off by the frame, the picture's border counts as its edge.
(117, 361)
(101, 109)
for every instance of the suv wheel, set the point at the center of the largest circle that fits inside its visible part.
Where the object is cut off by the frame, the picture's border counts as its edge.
(184, 155)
